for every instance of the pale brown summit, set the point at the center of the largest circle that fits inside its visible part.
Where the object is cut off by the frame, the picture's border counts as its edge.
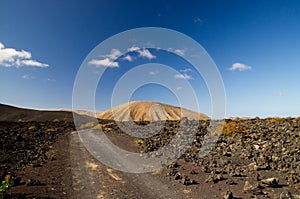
(149, 111)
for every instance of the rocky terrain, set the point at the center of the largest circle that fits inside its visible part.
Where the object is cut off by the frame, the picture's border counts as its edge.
(252, 158)
(256, 158)
(27, 143)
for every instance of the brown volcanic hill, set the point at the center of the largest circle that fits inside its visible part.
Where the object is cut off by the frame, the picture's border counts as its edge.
(149, 111)
(81, 112)
(14, 114)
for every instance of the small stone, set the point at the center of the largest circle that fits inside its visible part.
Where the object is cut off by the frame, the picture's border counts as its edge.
(173, 165)
(285, 195)
(219, 177)
(252, 166)
(250, 186)
(193, 172)
(270, 182)
(231, 182)
(209, 179)
(178, 176)
(214, 178)
(16, 181)
(172, 173)
(31, 182)
(187, 181)
(228, 195)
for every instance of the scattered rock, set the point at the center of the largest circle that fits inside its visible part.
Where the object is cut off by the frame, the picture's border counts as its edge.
(228, 195)
(16, 181)
(31, 182)
(230, 182)
(28, 142)
(193, 172)
(178, 176)
(187, 181)
(264, 145)
(236, 172)
(214, 178)
(252, 166)
(174, 165)
(270, 182)
(250, 186)
(286, 195)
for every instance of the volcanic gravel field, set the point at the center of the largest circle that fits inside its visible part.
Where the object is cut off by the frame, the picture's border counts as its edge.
(254, 158)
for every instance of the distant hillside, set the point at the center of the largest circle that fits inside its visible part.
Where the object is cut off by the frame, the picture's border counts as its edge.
(11, 113)
(149, 111)
(81, 112)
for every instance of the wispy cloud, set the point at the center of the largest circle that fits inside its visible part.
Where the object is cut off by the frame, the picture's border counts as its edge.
(11, 57)
(51, 80)
(27, 77)
(146, 54)
(186, 70)
(178, 88)
(143, 52)
(198, 20)
(180, 52)
(128, 58)
(31, 62)
(108, 60)
(104, 63)
(114, 54)
(183, 76)
(239, 67)
(133, 48)
(153, 72)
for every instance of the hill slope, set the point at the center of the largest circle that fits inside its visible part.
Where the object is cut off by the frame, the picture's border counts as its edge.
(11, 113)
(149, 111)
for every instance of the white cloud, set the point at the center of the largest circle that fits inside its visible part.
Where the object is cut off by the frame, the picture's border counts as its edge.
(128, 58)
(27, 77)
(179, 88)
(240, 67)
(179, 52)
(109, 59)
(133, 48)
(183, 76)
(12, 57)
(104, 63)
(114, 54)
(186, 70)
(146, 53)
(153, 72)
(31, 62)
(142, 52)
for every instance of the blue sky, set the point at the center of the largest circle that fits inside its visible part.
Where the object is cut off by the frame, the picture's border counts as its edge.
(255, 45)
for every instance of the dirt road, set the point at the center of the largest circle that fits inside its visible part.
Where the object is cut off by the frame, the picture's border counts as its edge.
(91, 179)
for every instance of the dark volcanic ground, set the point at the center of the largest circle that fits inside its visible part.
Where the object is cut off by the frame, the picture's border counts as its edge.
(255, 159)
